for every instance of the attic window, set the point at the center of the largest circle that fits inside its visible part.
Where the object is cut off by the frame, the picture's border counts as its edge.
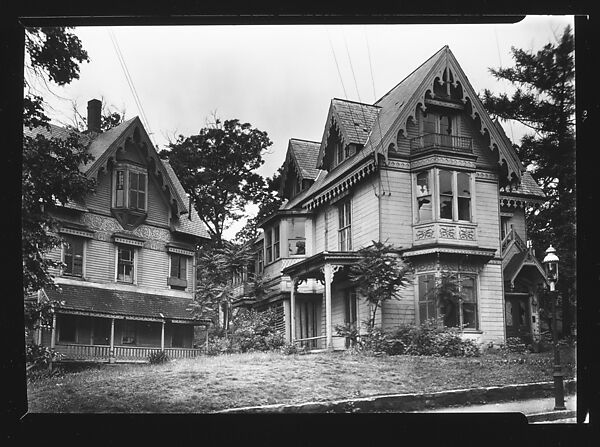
(130, 188)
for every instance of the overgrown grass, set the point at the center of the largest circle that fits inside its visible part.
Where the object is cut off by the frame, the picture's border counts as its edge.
(212, 383)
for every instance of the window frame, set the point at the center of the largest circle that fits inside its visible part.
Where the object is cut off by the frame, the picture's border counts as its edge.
(68, 242)
(431, 195)
(345, 225)
(276, 242)
(436, 194)
(126, 170)
(133, 261)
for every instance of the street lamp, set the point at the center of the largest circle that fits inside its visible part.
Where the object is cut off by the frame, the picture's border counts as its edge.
(551, 265)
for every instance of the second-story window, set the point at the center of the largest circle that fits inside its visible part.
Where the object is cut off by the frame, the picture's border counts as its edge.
(125, 263)
(178, 278)
(73, 256)
(276, 252)
(424, 196)
(455, 195)
(345, 226)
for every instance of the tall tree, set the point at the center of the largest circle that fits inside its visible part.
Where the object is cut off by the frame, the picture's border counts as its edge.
(268, 201)
(544, 101)
(50, 169)
(216, 167)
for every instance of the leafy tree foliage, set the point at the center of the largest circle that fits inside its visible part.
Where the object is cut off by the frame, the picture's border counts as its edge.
(216, 167)
(216, 267)
(448, 296)
(268, 201)
(50, 168)
(544, 101)
(378, 275)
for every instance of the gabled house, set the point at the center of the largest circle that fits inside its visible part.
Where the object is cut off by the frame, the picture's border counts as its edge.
(426, 169)
(128, 279)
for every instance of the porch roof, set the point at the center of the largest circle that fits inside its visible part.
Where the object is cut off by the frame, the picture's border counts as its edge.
(121, 304)
(460, 250)
(520, 261)
(311, 266)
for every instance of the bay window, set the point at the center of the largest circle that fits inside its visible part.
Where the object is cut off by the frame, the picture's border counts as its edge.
(452, 198)
(272, 244)
(130, 188)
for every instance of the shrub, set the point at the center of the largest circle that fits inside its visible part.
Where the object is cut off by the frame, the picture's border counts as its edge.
(289, 349)
(426, 339)
(516, 345)
(38, 356)
(158, 357)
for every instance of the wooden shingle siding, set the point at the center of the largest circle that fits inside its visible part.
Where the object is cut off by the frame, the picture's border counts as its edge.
(488, 223)
(365, 214)
(491, 303)
(396, 208)
(100, 262)
(158, 210)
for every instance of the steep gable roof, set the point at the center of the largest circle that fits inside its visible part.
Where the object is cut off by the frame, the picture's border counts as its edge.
(305, 154)
(103, 147)
(354, 120)
(401, 103)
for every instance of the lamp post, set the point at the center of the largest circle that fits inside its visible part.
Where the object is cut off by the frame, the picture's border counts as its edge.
(551, 265)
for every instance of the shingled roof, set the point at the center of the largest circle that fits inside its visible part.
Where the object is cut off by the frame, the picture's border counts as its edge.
(306, 154)
(97, 300)
(528, 187)
(355, 119)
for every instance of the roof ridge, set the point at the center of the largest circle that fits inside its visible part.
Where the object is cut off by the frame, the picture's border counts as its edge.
(412, 72)
(356, 102)
(302, 139)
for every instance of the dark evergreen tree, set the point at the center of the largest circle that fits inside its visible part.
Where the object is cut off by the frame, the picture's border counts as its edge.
(544, 101)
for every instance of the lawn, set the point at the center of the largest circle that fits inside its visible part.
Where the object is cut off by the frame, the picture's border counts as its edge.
(213, 383)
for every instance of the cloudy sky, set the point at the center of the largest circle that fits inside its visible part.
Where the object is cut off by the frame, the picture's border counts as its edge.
(279, 78)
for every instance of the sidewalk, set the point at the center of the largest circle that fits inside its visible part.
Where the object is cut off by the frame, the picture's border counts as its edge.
(537, 410)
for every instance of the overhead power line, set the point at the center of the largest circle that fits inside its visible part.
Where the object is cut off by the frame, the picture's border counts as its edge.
(131, 84)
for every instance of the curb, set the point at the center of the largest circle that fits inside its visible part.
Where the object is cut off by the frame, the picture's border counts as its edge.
(551, 416)
(415, 401)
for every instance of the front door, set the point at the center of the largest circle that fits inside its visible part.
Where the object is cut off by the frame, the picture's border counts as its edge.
(308, 322)
(517, 316)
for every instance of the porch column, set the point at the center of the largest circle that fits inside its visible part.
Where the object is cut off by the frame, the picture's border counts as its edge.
(293, 311)
(162, 337)
(111, 354)
(53, 337)
(328, 274)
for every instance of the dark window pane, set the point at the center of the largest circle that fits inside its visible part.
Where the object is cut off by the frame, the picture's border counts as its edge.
(446, 182)
(469, 315)
(429, 123)
(464, 209)
(445, 207)
(463, 181)
(445, 125)
(422, 312)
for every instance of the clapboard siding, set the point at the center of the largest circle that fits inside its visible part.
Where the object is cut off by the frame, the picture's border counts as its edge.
(400, 310)
(100, 200)
(518, 222)
(365, 215)
(491, 303)
(158, 210)
(396, 208)
(100, 262)
(488, 221)
(153, 268)
(319, 222)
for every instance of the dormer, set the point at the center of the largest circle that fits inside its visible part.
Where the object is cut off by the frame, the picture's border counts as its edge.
(299, 168)
(347, 130)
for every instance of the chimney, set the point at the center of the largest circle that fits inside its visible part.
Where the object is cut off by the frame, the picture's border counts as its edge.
(94, 110)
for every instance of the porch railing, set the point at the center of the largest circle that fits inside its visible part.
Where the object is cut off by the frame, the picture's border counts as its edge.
(452, 142)
(121, 353)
